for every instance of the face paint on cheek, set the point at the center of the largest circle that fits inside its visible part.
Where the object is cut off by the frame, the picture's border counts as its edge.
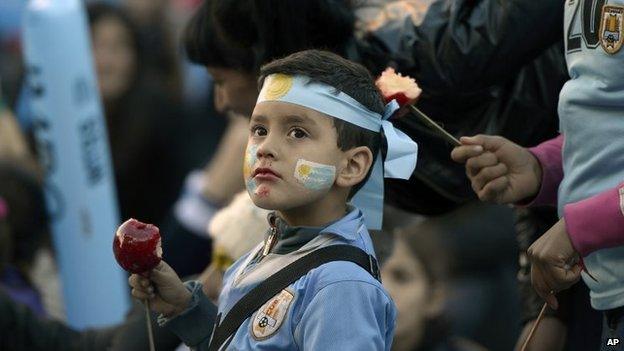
(251, 156)
(314, 176)
(251, 186)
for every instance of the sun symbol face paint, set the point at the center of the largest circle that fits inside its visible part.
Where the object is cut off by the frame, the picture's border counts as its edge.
(314, 176)
(251, 156)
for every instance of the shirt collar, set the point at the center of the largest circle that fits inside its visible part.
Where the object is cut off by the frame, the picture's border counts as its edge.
(348, 226)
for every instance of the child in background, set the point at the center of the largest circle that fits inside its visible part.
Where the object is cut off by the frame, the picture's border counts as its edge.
(314, 144)
(23, 231)
(417, 277)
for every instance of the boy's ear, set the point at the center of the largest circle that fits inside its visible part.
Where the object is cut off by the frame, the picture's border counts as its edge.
(357, 163)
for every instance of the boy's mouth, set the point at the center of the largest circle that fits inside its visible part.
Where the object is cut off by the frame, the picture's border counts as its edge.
(265, 174)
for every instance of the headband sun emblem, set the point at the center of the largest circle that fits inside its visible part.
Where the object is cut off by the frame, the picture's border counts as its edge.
(276, 86)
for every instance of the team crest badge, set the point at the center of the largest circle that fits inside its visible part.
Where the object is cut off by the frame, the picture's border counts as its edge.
(271, 315)
(611, 31)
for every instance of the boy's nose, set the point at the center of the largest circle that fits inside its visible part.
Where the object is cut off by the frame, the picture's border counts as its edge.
(267, 149)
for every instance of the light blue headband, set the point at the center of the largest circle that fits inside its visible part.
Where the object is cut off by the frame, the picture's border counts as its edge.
(402, 150)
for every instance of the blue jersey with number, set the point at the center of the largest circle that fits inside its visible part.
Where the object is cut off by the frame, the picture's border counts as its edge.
(591, 112)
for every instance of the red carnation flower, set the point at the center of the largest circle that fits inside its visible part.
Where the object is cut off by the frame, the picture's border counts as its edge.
(394, 86)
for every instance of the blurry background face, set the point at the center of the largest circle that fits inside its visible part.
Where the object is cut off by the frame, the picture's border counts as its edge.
(404, 277)
(235, 91)
(146, 11)
(115, 57)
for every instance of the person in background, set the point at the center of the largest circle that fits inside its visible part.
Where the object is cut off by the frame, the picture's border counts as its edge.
(580, 171)
(416, 276)
(25, 320)
(21, 330)
(187, 245)
(13, 143)
(144, 125)
(24, 231)
(504, 172)
(23, 216)
(158, 45)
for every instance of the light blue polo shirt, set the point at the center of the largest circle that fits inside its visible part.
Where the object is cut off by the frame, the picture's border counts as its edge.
(336, 306)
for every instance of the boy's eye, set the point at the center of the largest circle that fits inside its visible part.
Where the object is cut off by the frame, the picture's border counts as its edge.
(297, 133)
(258, 131)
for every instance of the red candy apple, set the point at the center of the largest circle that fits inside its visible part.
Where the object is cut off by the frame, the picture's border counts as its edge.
(394, 86)
(137, 246)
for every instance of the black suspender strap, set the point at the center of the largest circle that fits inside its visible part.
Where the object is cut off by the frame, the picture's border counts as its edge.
(259, 295)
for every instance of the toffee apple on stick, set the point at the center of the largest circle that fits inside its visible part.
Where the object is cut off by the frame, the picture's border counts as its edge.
(405, 91)
(137, 249)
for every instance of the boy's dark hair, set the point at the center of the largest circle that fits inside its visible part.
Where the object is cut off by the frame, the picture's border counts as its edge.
(346, 76)
(204, 45)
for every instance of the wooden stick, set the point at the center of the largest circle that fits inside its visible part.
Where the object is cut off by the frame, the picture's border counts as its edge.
(537, 322)
(433, 125)
(150, 332)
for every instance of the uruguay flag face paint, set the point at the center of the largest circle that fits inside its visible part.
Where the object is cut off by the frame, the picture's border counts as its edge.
(314, 176)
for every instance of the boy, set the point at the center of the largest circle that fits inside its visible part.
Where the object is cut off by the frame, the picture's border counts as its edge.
(581, 171)
(314, 143)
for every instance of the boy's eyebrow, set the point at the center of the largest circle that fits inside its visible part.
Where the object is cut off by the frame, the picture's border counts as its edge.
(259, 118)
(286, 119)
(299, 119)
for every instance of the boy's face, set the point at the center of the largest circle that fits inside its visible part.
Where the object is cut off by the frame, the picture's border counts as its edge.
(292, 156)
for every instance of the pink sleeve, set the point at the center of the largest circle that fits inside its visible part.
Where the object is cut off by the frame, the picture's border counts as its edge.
(549, 156)
(596, 222)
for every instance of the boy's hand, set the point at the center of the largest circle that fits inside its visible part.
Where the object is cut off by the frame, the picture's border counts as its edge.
(163, 288)
(500, 171)
(212, 279)
(554, 263)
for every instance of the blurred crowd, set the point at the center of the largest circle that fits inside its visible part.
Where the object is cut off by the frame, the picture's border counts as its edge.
(177, 80)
